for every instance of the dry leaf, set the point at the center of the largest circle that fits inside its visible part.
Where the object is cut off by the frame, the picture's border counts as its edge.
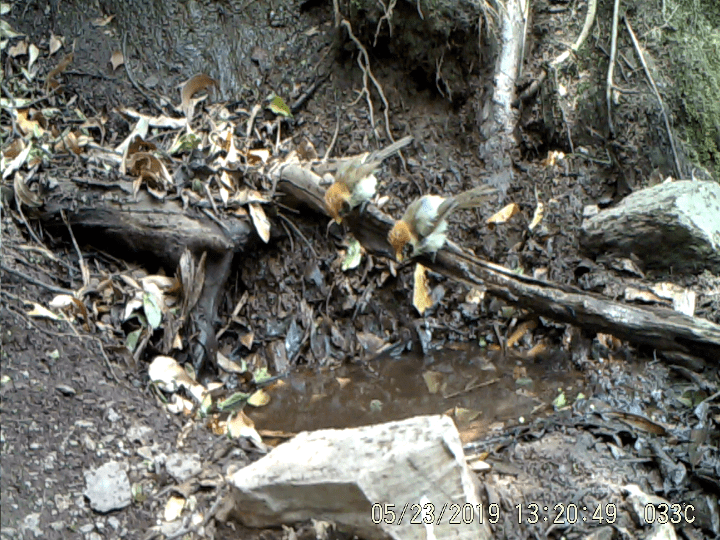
(17, 162)
(103, 21)
(255, 156)
(34, 52)
(504, 214)
(151, 170)
(70, 143)
(421, 292)
(56, 43)
(520, 331)
(41, 312)
(537, 217)
(50, 82)
(228, 365)
(247, 340)
(19, 49)
(12, 150)
(259, 399)
(156, 121)
(117, 59)
(433, 381)
(29, 126)
(174, 508)
(190, 88)
(261, 222)
(241, 426)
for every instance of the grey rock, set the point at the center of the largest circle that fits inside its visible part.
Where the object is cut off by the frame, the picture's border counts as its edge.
(108, 487)
(183, 466)
(674, 226)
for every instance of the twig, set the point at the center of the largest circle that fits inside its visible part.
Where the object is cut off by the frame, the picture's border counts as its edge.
(334, 137)
(289, 235)
(657, 95)
(387, 16)
(297, 231)
(471, 388)
(84, 270)
(132, 79)
(611, 68)
(299, 102)
(51, 288)
(105, 357)
(589, 18)
(367, 72)
(249, 129)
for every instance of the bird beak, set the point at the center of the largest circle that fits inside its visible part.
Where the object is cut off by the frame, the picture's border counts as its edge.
(338, 220)
(399, 256)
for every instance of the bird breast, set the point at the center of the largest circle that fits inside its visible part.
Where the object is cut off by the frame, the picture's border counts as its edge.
(427, 213)
(364, 190)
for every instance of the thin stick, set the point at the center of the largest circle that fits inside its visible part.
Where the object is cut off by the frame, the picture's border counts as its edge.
(657, 95)
(297, 231)
(334, 137)
(51, 288)
(84, 270)
(132, 79)
(611, 68)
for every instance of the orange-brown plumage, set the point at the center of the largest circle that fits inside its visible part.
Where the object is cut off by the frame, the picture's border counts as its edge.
(336, 199)
(400, 235)
(424, 224)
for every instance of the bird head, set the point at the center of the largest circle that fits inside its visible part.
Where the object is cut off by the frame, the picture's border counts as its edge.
(337, 201)
(399, 237)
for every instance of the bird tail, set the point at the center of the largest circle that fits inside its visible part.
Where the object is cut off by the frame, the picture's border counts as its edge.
(467, 199)
(354, 171)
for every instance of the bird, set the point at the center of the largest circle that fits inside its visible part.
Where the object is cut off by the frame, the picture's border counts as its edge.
(423, 226)
(355, 182)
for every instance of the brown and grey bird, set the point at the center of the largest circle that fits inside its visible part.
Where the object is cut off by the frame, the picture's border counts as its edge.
(423, 227)
(355, 181)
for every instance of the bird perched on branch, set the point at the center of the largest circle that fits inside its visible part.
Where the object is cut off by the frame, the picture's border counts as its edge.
(355, 181)
(423, 226)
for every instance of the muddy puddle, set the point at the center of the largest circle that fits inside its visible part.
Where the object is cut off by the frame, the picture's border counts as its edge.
(479, 389)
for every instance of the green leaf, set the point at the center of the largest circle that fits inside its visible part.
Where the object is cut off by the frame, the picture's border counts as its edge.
(152, 310)
(261, 374)
(186, 143)
(234, 402)
(132, 338)
(278, 106)
(353, 256)
(205, 406)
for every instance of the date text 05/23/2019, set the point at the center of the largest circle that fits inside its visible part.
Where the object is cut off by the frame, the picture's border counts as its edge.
(427, 513)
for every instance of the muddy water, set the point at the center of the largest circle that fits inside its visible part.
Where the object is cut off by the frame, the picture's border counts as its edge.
(484, 389)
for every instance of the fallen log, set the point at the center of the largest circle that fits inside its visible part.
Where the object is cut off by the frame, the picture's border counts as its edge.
(657, 327)
(107, 214)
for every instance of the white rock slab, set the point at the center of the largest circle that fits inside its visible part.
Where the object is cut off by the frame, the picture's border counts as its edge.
(350, 476)
(672, 226)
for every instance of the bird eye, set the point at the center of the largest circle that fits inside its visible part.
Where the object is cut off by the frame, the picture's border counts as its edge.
(345, 208)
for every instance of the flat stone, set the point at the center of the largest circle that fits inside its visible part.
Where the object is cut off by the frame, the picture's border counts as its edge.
(370, 481)
(674, 226)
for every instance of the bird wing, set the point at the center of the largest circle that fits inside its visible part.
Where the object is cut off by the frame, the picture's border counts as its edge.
(467, 199)
(354, 171)
(426, 214)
